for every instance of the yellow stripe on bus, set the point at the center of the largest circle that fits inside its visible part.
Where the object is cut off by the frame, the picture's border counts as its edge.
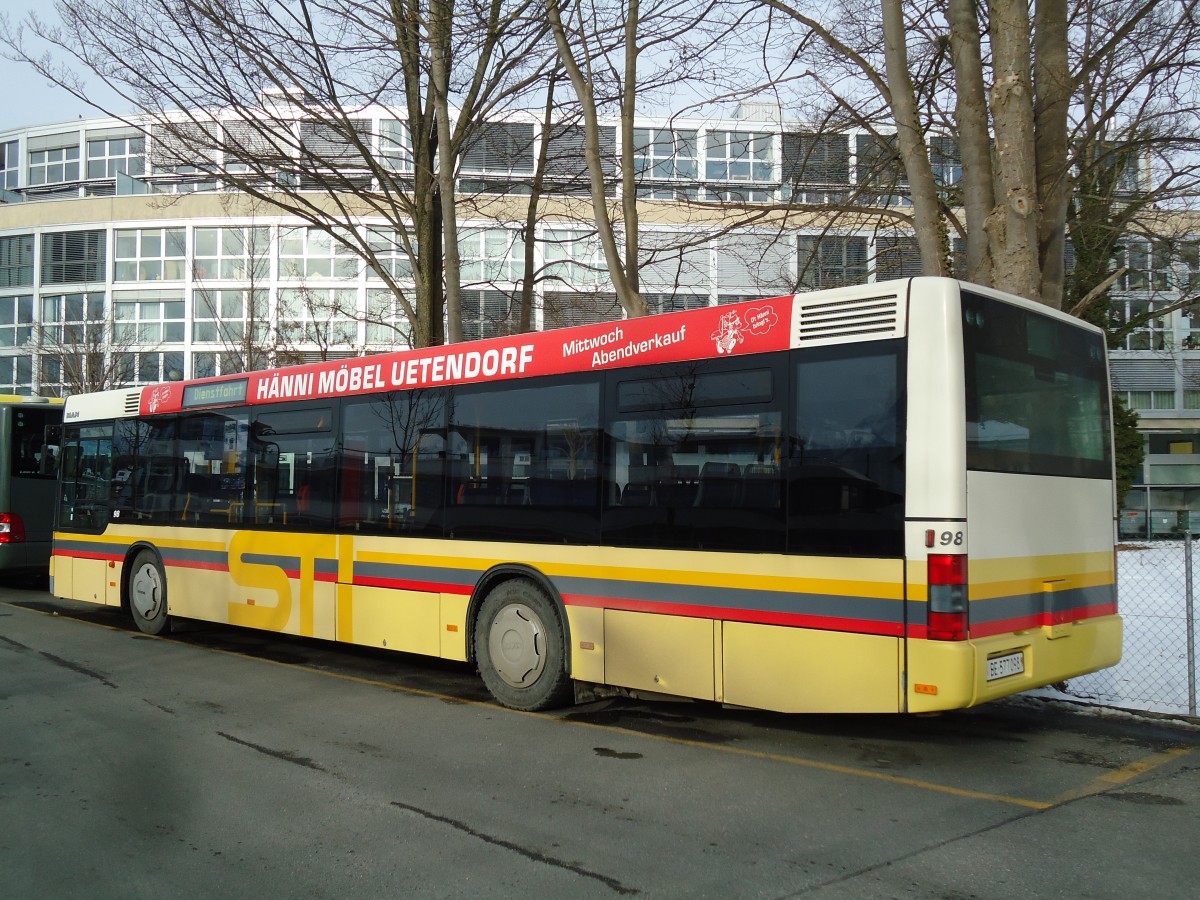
(887, 584)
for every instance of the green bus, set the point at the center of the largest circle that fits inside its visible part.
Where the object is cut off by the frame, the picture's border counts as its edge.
(29, 428)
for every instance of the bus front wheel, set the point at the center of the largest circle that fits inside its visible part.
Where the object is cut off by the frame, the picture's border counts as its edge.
(148, 593)
(519, 648)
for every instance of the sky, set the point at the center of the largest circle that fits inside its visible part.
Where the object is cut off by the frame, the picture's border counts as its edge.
(28, 98)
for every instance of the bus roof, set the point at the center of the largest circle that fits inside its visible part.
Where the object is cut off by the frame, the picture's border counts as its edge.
(875, 311)
(26, 399)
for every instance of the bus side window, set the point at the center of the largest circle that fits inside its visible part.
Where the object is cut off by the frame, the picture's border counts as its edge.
(393, 463)
(846, 473)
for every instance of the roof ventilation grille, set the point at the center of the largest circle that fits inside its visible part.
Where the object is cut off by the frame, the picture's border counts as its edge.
(857, 317)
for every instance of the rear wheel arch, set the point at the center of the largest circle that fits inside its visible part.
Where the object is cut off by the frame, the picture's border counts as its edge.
(520, 639)
(493, 578)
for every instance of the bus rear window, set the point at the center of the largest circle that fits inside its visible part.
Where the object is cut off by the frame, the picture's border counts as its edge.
(1037, 393)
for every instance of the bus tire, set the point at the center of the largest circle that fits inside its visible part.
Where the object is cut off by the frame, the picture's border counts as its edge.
(148, 593)
(520, 649)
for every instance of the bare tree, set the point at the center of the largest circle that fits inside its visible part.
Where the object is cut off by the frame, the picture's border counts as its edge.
(87, 352)
(1016, 84)
(239, 318)
(616, 55)
(276, 100)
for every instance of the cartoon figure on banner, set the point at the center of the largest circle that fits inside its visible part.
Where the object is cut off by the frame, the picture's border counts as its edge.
(729, 335)
(159, 395)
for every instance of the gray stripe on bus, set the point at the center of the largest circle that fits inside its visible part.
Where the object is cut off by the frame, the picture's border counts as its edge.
(1018, 606)
(1024, 606)
(874, 609)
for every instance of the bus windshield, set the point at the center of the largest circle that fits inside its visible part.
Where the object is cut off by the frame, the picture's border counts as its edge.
(1036, 393)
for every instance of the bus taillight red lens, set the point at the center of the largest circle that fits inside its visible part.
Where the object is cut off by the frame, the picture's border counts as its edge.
(947, 608)
(12, 529)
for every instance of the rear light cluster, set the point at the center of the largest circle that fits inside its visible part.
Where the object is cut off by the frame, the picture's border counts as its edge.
(947, 608)
(12, 529)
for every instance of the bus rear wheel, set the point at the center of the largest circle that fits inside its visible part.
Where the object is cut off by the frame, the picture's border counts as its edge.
(148, 593)
(520, 649)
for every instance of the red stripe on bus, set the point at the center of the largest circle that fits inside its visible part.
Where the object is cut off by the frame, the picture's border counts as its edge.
(753, 616)
(78, 554)
(188, 564)
(1064, 617)
(403, 585)
(1024, 623)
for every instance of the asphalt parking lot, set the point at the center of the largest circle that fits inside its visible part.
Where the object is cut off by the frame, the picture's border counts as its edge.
(224, 761)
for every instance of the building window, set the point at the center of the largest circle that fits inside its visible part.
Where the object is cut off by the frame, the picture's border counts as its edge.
(816, 167)
(490, 255)
(110, 157)
(10, 165)
(148, 321)
(674, 302)
(149, 254)
(743, 158)
(754, 264)
(16, 261)
(1187, 266)
(16, 374)
(1149, 400)
(387, 324)
(74, 320)
(827, 261)
(314, 253)
(1148, 267)
(1144, 331)
(1191, 399)
(573, 258)
(148, 368)
(235, 254)
(566, 169)
(327, 318)
(231, 317)
(73, 257)
(665, 154)
(879, 172)
(395, 145)
(562, 309)
(500, 148)
(329, 146)
(208, 365)
(16, 321)
(390, 255)
(945, 160)
(54, 165)
(738, 156)
(488, 314)
(897, 257)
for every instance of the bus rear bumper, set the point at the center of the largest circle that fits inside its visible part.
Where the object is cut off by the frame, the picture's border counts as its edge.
(946, 675)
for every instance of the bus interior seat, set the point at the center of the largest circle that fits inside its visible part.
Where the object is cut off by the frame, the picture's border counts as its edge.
(719, 485)
(762, 487)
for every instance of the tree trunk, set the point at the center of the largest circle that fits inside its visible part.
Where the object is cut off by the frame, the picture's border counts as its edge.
(911, 143)
(629, 210)
(439, 47)
(974, 141)
(1053, 85)
(1013, 224)
(627, 295)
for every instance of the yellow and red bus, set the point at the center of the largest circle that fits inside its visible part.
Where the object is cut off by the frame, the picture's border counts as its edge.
(895, 497)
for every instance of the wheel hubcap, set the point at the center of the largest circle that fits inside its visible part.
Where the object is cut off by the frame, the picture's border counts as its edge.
(145, 592)
(517, 645)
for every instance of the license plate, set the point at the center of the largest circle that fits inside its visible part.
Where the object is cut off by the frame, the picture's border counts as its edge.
(1003, 666)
